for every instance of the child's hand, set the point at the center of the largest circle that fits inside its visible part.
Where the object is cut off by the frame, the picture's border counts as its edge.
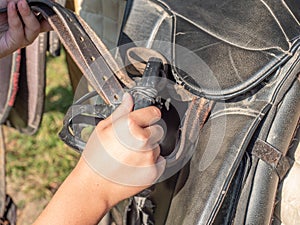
(124, 150)
(121, 158)
(18, 30)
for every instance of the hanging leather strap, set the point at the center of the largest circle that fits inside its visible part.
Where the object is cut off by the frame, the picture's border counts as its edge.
(54, 44)
(86, 49)
(88, 52)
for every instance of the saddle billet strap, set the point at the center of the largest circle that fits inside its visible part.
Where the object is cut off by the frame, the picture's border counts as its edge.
(195, 118)
(265, 179)
(86, 49)
(54, 45)
(265, 172)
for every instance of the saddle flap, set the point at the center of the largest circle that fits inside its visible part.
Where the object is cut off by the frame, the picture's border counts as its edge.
(9, 70)
(27, 110)
(217, 50)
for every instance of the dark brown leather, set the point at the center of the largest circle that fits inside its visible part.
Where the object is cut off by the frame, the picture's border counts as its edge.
(86, 49)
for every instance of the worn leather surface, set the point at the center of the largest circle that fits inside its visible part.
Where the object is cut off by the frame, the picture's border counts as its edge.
(263, 183)
(247, 53)
(229, 142)
(230, 129)
(256, 78)
(228, 33)
(86, 49)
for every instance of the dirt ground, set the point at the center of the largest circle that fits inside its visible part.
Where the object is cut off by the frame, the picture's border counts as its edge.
(29, 210)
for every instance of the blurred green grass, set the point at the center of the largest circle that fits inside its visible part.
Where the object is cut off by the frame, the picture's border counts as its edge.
(37, 165)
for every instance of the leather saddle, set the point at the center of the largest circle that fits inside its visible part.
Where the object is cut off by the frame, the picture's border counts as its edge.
(232, 69)
(244, 56)
(23, 86)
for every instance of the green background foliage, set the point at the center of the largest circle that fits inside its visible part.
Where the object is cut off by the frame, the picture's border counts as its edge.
(36, 165)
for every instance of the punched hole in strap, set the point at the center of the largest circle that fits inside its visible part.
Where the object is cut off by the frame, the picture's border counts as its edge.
(116, 97)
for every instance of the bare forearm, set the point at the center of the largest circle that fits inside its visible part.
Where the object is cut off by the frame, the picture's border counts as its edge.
(80, 200)
(130, 165)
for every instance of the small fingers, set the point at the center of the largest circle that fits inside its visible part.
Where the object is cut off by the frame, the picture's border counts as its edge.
(15, 34)
(148, 137)
(4, 3)
(143, 117)
(146, 116)
(31, 24)
(156, 154)
(125, 107)
(134, 137)
(14, 20)
(156, 135)
(160, 166)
